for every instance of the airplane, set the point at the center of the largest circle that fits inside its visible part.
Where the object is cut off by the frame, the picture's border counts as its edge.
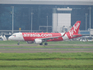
(86, 38)
(40, 38)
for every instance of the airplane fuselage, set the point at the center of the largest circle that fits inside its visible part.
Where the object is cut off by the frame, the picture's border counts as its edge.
(46, 37)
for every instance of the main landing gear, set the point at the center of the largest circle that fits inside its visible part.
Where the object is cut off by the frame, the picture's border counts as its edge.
(45, 43)
(42, 44)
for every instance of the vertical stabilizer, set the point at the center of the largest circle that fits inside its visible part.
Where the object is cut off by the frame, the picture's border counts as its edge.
(73, 33)
(75, 28)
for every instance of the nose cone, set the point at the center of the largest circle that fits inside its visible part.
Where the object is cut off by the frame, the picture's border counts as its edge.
(9, 38)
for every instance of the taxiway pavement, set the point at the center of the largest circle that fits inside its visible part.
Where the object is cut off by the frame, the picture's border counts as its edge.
(23, 49)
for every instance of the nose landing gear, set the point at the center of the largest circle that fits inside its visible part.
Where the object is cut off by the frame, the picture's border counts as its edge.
(18, 43)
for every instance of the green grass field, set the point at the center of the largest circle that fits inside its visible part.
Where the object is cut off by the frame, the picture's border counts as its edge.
(58, 42)
(50, 61)
(46, 61)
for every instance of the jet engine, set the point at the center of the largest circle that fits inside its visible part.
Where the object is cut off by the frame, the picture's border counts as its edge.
(38, 41)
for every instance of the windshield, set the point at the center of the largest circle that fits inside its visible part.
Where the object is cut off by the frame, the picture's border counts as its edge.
(14, 35)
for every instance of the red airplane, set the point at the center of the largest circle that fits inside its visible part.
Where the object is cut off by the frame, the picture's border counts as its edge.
(40, 38)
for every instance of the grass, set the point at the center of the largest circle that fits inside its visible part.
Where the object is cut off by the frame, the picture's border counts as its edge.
(71, 42)
(12, 42)
(61, 44)
(46, 47)
(44, 56)
(46, 61)
(30, 68)
(56, 42)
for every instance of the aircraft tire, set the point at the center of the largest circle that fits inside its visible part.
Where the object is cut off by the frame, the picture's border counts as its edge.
(17, 43)
(40, 44)
(45, 43)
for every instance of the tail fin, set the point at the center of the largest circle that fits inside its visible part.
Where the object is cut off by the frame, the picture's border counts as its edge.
(74, 30)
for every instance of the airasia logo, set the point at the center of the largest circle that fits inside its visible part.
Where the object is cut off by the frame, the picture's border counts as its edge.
(74, 29)
(37, 35)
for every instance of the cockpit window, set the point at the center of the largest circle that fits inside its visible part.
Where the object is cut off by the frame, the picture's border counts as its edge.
(14, 35)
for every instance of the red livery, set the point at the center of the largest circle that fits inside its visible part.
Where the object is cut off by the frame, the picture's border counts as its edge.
(46, 37)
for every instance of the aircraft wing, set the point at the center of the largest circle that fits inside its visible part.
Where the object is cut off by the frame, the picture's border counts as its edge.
(48, 38)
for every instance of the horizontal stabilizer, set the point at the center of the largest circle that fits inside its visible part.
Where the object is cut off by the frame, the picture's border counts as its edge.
(77, 35)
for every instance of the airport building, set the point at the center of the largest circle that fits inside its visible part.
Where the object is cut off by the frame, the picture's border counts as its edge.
(45, 15)
(61, 19)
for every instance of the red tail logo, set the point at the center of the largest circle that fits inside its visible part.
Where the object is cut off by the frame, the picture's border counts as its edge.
(75, 29)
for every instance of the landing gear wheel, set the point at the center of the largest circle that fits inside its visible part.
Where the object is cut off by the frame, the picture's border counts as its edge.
(45, 43)
(18, 43)
(40, 44)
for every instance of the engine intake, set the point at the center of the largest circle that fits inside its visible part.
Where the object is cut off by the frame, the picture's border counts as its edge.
(37, 41)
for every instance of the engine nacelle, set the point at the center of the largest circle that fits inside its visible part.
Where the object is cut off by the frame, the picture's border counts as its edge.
(30, 42)
(37, 41)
